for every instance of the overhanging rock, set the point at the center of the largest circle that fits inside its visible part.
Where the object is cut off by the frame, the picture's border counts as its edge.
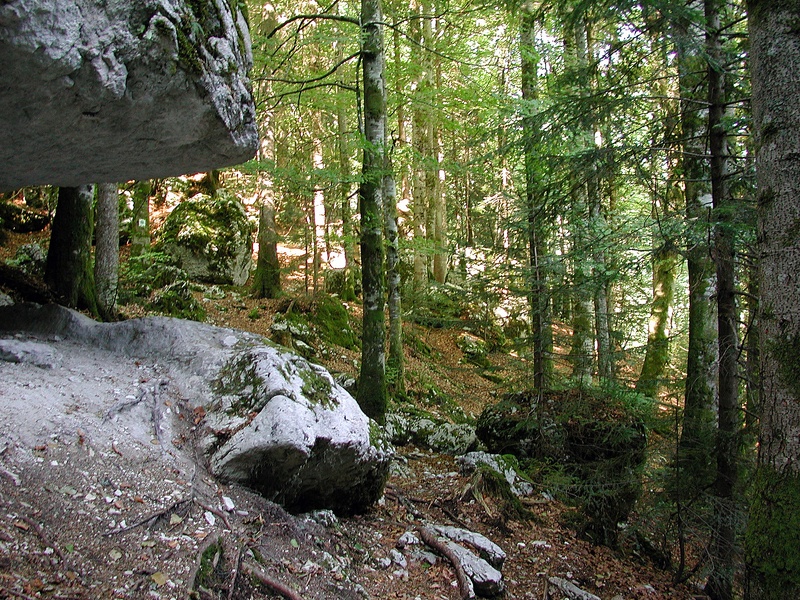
(114, 90)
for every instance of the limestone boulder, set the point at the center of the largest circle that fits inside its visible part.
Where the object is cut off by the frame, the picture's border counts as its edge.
(284, 427)
(210, 238)
(113, 90)
(273, 421)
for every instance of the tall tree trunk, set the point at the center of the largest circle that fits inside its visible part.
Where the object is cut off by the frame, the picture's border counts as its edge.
(423, 181)
(582, 346)
(772, 541)
(318, 215)
(140, 226)
(68, 270)
(657, 353)
(267, 276)
(395, 363)
(700, 395)
(106, 257)
(371, 394)
(349, 287)
(539, 297)
(720, 583)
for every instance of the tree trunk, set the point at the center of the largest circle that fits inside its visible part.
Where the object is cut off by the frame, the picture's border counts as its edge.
(772, 541)
(68, 271)
(267, 276)
(700, 408)
(395, 363)
(106, 257)
(348, 293)
(539, 298)
(140, 225)
(720, 582)
(657, 355)
(318, 214)
(371, 394)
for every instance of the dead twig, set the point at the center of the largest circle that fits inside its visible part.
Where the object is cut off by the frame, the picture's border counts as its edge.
(215, 511)
(273, 584)
(151, 519)
(45, 540)
(235, 571)
(464, 583)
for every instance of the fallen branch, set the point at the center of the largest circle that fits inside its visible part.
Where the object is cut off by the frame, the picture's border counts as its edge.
(464, 583)
(235, 571)
(273, 584)
(47, 543)
(151, 519)
(215, 511)
(570, 590)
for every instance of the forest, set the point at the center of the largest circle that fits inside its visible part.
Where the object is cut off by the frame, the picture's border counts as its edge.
(600, 196)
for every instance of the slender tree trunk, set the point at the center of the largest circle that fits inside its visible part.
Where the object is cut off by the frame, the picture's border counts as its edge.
(372, 382)
(140, 226)
(700, 408)
(349, 288)
(657, 354)
(720, 583)
(106, 258)
(68, 270)
(267, 276)
(318, 215)
(772, 540)
(539, 298)
(395, 362)
(582, 348)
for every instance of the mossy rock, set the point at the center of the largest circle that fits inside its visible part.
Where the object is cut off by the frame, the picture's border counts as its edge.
(210, 238)
(597, 438)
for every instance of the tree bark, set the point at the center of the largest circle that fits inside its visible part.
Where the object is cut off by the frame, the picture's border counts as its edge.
(267, 276)
(396, 362)
(68, 271)
(106, 257)
(700, 402)
(539, 298)
(720, 582)
(371, 394)
(772, 541)
(140, 226)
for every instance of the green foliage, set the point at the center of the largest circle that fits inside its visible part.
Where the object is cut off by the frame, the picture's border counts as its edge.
(153, 281)
(772, 543)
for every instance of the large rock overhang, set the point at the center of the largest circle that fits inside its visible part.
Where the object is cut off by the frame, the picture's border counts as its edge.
(114, 90)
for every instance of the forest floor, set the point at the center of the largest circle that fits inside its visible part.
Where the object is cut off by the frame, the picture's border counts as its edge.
(85, 516)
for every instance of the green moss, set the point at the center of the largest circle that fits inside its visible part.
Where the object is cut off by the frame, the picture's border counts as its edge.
(209, 562)
(333, 322)
(772, 542)
(239, 378)
(316, 388)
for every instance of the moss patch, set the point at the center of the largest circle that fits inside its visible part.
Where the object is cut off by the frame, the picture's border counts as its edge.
(240, 379)
(772, 541)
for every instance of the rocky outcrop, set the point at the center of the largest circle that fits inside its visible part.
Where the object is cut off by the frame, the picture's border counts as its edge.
(273, 421)
(210, 238)
(113, 90)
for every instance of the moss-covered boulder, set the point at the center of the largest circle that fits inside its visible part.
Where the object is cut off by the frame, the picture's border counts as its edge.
(595, 439)
(210, 238)
(284, 427)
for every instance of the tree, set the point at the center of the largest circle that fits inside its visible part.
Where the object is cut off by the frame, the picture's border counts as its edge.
(371, 394)
(68, 271)
(539, 298)
(772, 543)
(106, 257)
